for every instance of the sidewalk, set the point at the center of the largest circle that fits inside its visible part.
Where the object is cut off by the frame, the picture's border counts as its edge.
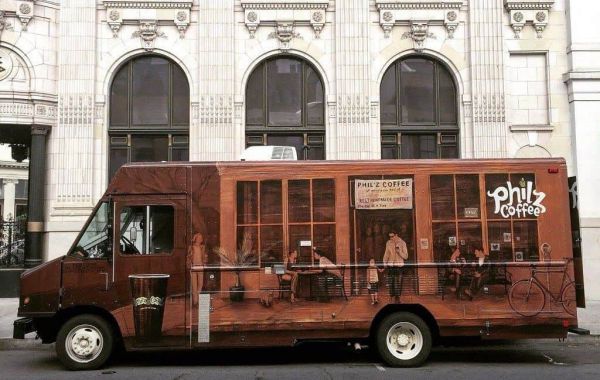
(589, 318)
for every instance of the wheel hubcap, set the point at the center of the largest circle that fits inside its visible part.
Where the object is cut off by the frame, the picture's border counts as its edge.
(404, 340)
(84, 343)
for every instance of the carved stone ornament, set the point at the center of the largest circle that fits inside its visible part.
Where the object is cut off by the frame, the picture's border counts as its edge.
(182, 22)
(24, 13)
(148, 33)
(171, 12)
(284, 32)
(432, 12)
(274, 12)
(528, 12)
(6, 64)
(419, 31)
(4, 24)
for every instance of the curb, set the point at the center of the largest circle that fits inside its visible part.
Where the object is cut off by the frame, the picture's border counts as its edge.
(24, 344)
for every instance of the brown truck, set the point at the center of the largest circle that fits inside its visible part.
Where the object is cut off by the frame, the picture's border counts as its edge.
(248, 254)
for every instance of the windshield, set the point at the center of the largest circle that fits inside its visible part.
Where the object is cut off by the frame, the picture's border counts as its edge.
(94, 241)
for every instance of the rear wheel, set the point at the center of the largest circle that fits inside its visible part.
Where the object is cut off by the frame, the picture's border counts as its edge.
(84, 342)
(527, 298)
(568, 298)
(403, 340)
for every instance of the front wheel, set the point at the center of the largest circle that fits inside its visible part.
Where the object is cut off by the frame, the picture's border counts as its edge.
(403, 340)
(84, 342)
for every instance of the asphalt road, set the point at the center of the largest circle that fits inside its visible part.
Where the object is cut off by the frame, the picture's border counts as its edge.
(578, 359)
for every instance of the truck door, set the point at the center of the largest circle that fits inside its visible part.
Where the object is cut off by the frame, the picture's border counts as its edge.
(87, 269)
(150, 269)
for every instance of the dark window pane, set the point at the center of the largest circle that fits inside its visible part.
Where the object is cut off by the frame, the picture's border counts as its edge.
(323, 200)
(316, 152)
(416, 91)
(161, 229)
(444, 241)
(133, 230)
(149, 148)
(297, 234)
(324, 235)
(118, 157)
(180, 154)
(467, 196)
(270, 202)
(247, 245)
(500, 238)
(492, 182)
(181, 97)
(255, 98)
(526, 241)
(284, 91)
(389, 152)
(21, 189)
(419, 146)
(150, 91)
(119, 95)
(448, 151)
(469, 239)
(447, 97)
(297, 141)
(442, 197)
(247, 202)
(298, 201)
(314, 98)
(388, 96)
(271, 245)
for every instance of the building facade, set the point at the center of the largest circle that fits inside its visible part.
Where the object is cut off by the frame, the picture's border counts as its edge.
(90, 85)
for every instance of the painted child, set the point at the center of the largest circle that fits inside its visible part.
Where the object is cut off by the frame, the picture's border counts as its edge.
(373, 279)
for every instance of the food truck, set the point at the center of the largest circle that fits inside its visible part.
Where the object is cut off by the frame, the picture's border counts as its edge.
(248, 254)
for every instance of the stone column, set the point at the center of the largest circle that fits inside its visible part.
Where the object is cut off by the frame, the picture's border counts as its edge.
(487, 72)
(351, 137)
(213, 131)
(37, 182)
(8, 208)
(583, 81)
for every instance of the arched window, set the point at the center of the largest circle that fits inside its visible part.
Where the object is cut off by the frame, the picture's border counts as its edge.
(149, 112)
(418, 110)
(285, 106)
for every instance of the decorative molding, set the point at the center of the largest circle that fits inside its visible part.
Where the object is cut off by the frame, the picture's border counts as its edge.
(214, 110)
(353, 109)
(393, 12)
(419, 31)
(284, 32)
(164, 12)
(24, 12)
(534, 12)
(269, 13)
(148, 33)
(4, 24)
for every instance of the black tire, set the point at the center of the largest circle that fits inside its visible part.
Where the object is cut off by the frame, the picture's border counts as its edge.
(93, 329)
(412, 354)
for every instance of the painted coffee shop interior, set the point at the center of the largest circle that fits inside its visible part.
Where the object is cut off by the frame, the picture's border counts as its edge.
(439, 215)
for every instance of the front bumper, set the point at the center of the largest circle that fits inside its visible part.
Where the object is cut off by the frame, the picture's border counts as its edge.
(21, 327)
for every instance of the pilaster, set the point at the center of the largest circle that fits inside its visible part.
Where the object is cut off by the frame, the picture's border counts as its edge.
(212, 131)
(487, 73)
(350, 137)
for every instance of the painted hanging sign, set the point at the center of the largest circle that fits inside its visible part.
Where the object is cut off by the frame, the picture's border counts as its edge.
(518, 201)
(383, 194)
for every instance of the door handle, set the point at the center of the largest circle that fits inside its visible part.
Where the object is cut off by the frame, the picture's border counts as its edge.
(105, 280)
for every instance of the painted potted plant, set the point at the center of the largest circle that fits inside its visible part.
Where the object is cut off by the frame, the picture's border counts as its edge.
(244, 257)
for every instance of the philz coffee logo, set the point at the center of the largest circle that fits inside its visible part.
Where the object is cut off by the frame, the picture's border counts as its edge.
(157, 301)
(520, 202)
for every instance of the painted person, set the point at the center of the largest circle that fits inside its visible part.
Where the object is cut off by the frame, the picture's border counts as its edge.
(482, 265)
(455, 272)
(291, 274)
(197, 256)
(393, 260)
(373, 279)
